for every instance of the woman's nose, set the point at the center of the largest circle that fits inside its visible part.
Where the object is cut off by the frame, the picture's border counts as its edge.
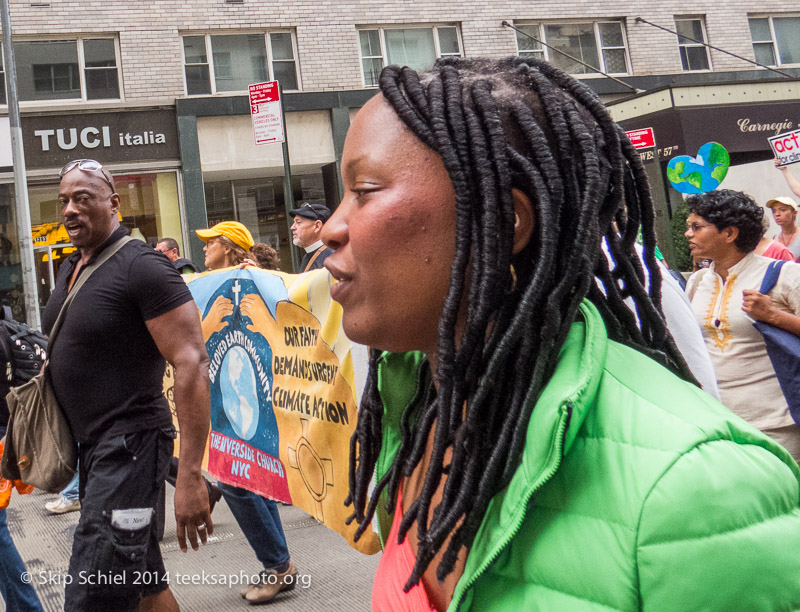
(334, 232)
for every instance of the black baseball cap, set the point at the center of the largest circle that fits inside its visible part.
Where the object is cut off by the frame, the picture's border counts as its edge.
(315, 212)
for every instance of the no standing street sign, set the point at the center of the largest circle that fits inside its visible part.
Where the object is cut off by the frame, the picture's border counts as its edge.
(265, 110)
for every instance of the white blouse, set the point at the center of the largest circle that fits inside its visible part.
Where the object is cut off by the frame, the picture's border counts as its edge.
(746, 378)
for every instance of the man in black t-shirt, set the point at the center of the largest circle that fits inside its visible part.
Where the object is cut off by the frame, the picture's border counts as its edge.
(107, 365)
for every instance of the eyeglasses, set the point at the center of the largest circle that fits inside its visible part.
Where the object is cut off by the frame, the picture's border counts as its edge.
(88, 165)
(696, 227)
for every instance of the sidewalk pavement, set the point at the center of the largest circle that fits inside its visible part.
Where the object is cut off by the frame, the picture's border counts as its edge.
(337, 577)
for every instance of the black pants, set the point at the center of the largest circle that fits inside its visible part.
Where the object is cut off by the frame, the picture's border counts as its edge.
(115, 555)
(161, 507)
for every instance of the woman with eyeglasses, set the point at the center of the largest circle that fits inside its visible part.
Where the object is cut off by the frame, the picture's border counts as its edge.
(522, 442)
(726, 227)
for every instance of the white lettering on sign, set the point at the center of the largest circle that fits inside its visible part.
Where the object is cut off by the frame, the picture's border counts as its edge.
(91, 137)
(266, 114)
(127, 139)
(642, 139)
(45, 136)
(746, 125)
(73, 139)
(786, 147)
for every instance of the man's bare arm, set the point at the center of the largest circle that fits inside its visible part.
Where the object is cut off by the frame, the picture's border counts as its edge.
(178, 336)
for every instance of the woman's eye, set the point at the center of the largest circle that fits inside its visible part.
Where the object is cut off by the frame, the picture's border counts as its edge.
(363, 192)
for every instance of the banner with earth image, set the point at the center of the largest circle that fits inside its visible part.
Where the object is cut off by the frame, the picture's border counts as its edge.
(283, 380)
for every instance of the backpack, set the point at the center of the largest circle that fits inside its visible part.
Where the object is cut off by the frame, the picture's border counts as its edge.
(22, 350)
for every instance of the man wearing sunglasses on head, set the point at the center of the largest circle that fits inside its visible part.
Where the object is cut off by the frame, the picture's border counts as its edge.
(306, 229)
(106, 365)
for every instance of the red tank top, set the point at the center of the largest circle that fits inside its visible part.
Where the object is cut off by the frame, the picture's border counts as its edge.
(394, 568)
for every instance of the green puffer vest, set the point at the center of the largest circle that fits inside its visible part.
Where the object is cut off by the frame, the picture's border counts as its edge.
(635, 491)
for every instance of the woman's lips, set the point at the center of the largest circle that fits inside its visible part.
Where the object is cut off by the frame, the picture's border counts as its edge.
(343, 282)
(339, 290)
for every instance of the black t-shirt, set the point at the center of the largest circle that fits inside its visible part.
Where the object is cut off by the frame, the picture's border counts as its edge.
(105, 367)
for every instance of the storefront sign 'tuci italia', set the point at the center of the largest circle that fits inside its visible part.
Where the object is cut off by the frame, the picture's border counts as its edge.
(53, 140)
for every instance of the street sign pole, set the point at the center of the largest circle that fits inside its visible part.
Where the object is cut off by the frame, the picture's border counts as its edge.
(288, 192)
(644, 140)
(269, 126)
(22, 213)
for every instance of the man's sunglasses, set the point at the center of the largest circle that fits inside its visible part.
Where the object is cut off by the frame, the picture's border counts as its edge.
(88, 165)
(313, 212)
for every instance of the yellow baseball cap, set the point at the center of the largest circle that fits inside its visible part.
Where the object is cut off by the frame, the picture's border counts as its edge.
(232, 230)
(783, 200)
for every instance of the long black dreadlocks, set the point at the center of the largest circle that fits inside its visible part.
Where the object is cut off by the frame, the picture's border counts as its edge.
(497, 125)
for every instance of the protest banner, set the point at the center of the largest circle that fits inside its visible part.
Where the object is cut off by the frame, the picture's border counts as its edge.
(786, 147)
(284, 380)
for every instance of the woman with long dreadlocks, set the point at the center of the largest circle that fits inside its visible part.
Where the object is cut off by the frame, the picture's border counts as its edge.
(533, 448)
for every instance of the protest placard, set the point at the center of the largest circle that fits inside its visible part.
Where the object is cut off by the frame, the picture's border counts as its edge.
(786, 147)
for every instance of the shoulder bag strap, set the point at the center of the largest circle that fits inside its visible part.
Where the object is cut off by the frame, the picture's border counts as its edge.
(771, 276)
(103, 258)
(314, 258)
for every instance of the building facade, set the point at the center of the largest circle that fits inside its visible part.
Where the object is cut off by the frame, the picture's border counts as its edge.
(156, 91)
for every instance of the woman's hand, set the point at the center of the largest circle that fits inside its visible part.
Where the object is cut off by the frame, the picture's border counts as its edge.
(778, 165)
(247, 262)
(758, 305)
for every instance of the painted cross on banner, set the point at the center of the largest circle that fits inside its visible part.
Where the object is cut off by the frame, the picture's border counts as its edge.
(265, 111)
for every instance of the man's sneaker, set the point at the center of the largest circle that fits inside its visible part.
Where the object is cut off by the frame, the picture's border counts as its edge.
(270, 584)
(62, 505)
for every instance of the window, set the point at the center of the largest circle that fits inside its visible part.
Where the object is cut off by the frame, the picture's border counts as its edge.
(528, 44)
(601, 44)
(417, 48)
(694, 55)
(238, 60)
(776, 40)
(82, 69)
(259, 204)
(149, 206)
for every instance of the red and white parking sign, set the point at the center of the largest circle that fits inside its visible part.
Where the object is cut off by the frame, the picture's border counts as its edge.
(642, 139)
(265, 110)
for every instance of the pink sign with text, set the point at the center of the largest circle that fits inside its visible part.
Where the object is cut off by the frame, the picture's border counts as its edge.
(265, 111)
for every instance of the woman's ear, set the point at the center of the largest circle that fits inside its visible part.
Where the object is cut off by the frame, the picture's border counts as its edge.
(524, 220)
(730, 233)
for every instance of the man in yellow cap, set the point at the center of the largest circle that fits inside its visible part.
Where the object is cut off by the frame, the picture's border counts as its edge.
(227, 244)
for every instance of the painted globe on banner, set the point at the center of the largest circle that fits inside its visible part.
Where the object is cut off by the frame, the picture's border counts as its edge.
(238, 387)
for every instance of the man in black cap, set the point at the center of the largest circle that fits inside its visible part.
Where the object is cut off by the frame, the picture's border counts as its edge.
(307, 226)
